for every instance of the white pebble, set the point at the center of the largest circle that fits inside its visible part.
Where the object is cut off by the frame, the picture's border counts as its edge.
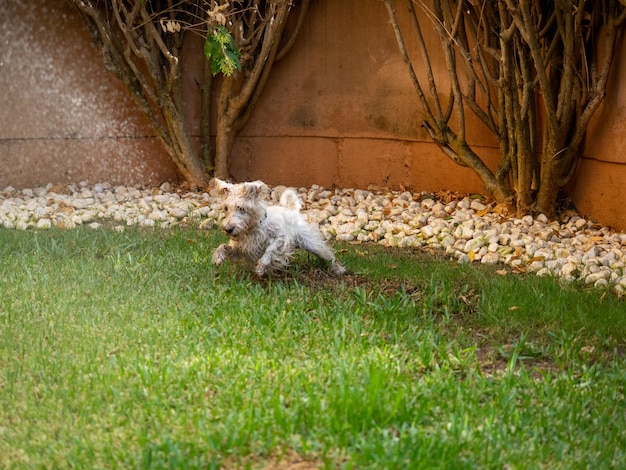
(474, 244)
(580, 224)
(477, 205)
(463, 258)
(178, 213)
(464, 204)
(44, 224)
(427, 231)
(593, 278)
(490, 258)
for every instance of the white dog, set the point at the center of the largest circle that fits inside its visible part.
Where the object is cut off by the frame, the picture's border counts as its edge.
(267, 235)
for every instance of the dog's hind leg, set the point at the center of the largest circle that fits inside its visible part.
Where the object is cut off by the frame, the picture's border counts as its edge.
(313, 243)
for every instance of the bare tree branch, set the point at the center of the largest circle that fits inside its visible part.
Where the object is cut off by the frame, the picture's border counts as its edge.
(401, 44)
(525, 64)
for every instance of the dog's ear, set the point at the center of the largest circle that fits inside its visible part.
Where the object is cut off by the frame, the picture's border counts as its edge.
(257, 189)
(223, 188)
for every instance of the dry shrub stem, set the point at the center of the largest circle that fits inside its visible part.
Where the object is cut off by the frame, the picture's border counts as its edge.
(532, 72)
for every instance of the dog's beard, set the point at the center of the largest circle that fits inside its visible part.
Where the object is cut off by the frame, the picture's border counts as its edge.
(242, 230)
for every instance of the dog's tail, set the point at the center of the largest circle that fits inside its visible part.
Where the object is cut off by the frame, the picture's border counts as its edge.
(291, 200)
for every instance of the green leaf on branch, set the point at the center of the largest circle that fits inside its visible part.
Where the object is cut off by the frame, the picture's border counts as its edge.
(221, 50)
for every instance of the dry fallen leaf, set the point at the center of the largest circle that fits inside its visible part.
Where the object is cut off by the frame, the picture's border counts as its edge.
(501, 209)
(485, 211)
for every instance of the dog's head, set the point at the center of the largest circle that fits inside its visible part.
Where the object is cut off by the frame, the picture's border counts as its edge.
(243, 206)
(251, 190)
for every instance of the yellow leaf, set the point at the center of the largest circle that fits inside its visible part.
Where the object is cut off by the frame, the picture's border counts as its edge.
(483, 212)
(501, 209)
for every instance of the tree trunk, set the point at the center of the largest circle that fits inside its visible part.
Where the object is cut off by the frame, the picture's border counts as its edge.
(184, 154)
(223, 147)
(552, 170)
(205, 118)
(548, 191)
(225, 133)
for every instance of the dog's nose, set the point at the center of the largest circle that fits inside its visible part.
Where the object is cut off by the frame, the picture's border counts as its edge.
(229, 229)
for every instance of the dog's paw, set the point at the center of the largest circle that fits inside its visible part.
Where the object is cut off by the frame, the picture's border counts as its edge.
(261, 269)
(338, 268)
(218, 258)
(220, 254)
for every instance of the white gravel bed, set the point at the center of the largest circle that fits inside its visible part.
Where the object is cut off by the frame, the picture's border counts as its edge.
(464, 228)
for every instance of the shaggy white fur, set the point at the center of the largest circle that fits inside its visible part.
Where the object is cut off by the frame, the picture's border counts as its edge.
(267, 235)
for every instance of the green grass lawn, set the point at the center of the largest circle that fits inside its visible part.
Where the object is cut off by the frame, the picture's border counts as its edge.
(129, 350)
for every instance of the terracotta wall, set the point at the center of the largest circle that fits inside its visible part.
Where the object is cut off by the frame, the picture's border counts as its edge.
(599, 185)
(338, 110)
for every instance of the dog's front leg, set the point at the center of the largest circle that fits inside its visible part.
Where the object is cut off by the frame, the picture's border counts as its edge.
(222, 253)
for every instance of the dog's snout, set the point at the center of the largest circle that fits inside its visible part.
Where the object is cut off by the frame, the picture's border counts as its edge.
(229, 229)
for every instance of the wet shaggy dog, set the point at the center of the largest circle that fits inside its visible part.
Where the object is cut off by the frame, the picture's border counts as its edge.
(267, 235)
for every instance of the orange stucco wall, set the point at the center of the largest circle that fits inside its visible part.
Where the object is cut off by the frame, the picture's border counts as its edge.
(338, 110)
(599, 184)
